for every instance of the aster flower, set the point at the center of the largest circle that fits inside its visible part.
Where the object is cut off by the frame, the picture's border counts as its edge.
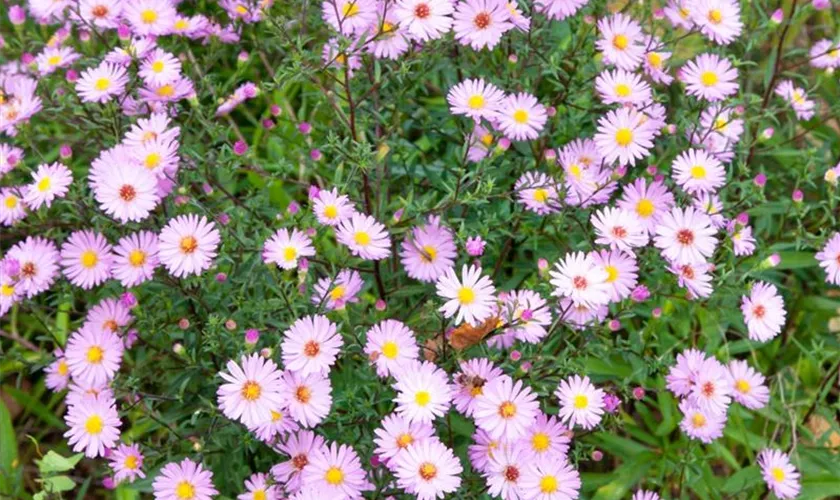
(387, 38)
(695, 278)
(618, 228)
(703, 425)
(183, 480)
(390, 344)
(647, 201)
(311, 345)
(710, 204)
(38, 263)
(58, 372)
(580, 402)
(251, 391)
(722, 120)
(764, 312)
(425, 19)
(349, 17)
(334, 56)
(86, 259)
(559, 9)
(423, 392)
(526, 314)
(257, 488)
(622, 87)
(332, 209)
(286, 248)
(797, 98)
(126, 191)
(580, 316)
(429, 251)
(53, 58)
(337, 471)
(395, 434)
(621, 41)
(483, 450)
(506, 409)
(679, 14)
(94, 426)
(48, 183)
(280, 426)
(12, 206)
(825, 54)
(748, 387)
(309, 398)
(470, 381)
(712, 389)
(102, 83)
(110, 315)
(10, 157)
(428, 470)
(645, 495)
(578, 277)
(624, 135)
(156, 126)
(685, 236)
(100, 13)
(829, 259)
(481, 23)
(538, 192)
(547, 437)
(127, 463)
(336, 293)
(682, 376)
(521, 117)
(504, 473)
(150, 17)
(781, 476)
(188, 245)
(710, 77)
(718, 20)
(301, 447)
(654, 61)
(159, 68)
(551, 479)
(696, 171)
(743, 242)
(135, 258)
(179, 88)
(469, 299)
(364, 236)
(475, 99)
(622, 272)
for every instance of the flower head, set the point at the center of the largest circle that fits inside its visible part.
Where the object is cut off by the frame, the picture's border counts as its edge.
(188, 245)
(94, 425)
(470, 299)
(185, 480)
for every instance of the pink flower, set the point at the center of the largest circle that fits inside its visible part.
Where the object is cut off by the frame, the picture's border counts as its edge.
(86, 259)
(184, 480)
(188, 245)
(311, 345)
(506, 408)
(764, 312)
(481, 23)
(685, 236)
(252, 391)
(94, 425)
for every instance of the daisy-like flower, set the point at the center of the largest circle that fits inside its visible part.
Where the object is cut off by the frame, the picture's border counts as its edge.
(580, 402)
(94, 426)
(718, 20)
(547, 437)
(722, 120)
(53, 58)
(396, 434)
(475, 99)
(135, 258)
(618, 228)
(179, 88)
(579, 316)
(101, 13)
(337, 471)
(349, 17)
(102, 83)
(764, 312)
(150, 17)
(621, 41)
(829, 259)
(336, 293)
(682, 376)
(425, 19)
(301, 446)
(798, 99)
(700, 424)
(423, 392)
(743, 242)
(504, 473)
(110, 315)
(309, 398)
(654, 62)
(311, 345)
(622, 87)
(527, 315)
(388, 39)
(678, 12)
(538, 192)
(10, 294)
(428, 470)
(127, 463)
(481, 23)
(710, 77)
(58, 372)
(126, 192)
(10, 157)
(365, 237)
(251, 391)
(257, 488)
(12, 206)
(285, 249)
(695, 278)
(622, 272)
(429, 251)
(188, 245)
(748, 387)
(712, 390)
(685, 236)
(696, 171)
(332, 209)
(469, 299)
(48, 183)
(185, 480)
(645, 495)
(521, 117)
(160, 68)
(470, 381)
(781, 476)
(38, 262)
(158, 155)
(390, 344)
(578, 277)
(280, 425)
(710, 204)
(156, 126)
(551, 479)
(559, 9)
(506, 409)
(86, 259)
(825, 54)
(483, 450)
(334, 56)
(624, 135)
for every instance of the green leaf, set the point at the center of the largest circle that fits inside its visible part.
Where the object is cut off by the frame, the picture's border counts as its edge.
(62, 322)
(57, 484)
(53, 462)
(8, 452)
(744, 479)
(123, 492)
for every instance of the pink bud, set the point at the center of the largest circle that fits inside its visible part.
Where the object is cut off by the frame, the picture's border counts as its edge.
(778, 16)
(314, 192)
(513, 59)
(515, 355)
(774, 260)
(398, 214)
(265, 352)
(525, 366)
(542, 264)
(17, 15)
(305, 128)
(275, 110)
(207, 188)
(252, 335)
(124, 32)
(230, 324)
(657, 312)
(503, 144)
(303, 264)
(243, 56)
(638, 393)
(743, 218)
(615, 325)
(84, 35)
(221, 277)
(27, 58)
(268, 124)
(798, 196)
(65, 151)
(760, 180)
(651, 170)
(293, 208)
(183, 323)
(316, 155)
(240, 147)
(224, 219)
(475, 246)
(71, 75)
(380, 305)
(821, 4)
(108, 482)
(597, 455)
(767, 134)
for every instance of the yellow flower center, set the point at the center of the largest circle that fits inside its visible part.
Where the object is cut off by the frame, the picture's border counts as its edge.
(62, 368)
(290, 254)
(130, 462)
(507, 409)
(251, 390)
(645, 208)
(624, 136)
(466, 296)
(166, 91)
(137, 258)
(362, 238)
(89, 259)
(581, 402)
(53, 60)
(330, 211)
(715, 16)
(612, 273)
(337, 293)
(654, 59)
(684, 13)
(303, 394)
(181, 24)
(620, 41)
(11, 201)
(708, 78)
(188, 244)
(520, 116)
(152, 160)
(742, 386)
(698, 420)
(390, 349)
(422, 398)
(95, 354)
(428, 471)
(149, 16)
(102, 84)
(94, 424)
(698, 172)
(157, 66)
(540, 441)
(276, 416)
(487, 139)
(540, 195)
(476, 391)
(622, 90)
(428, 254)
(259, 495)
(778, 474)
(476, 101)
(6, 290)
(403, 440)
(350, 9)
(720, 124)
(334, 476)
(548, 484)
(185, 490)
(44, 184)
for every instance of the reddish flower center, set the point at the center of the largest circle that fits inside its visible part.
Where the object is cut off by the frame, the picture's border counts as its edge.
(28, 270)
(300, 461)
(482, 20)
(708, 389)
(688, 272)
(511, 473)
(311, 349)
(619, 232)
(759, 311)
(422, 11)
(99, 11)
(127, 192)
(579, 282)
(685, 237)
